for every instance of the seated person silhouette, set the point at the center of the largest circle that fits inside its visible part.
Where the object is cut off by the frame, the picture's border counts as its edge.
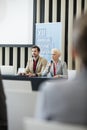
(35, 65)
(56, 68)
(66, 101)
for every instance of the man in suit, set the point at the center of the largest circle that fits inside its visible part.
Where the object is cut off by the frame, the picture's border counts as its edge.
(67, 101)
(56, 68)
(36, 64)
(3, 109)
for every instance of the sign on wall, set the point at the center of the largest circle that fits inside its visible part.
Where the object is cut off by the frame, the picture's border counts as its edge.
(48, 36)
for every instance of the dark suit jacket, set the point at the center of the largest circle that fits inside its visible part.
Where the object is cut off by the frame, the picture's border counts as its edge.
(3, 110)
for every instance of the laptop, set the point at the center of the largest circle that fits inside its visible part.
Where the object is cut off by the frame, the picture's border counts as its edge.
(7, 70)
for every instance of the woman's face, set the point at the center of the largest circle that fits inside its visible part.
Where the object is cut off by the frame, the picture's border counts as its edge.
(55, 55)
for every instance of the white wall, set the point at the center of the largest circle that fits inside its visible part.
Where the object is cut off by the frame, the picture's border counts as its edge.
(16, 22)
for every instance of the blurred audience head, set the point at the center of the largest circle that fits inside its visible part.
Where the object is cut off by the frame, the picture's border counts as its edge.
(55, 54)
(80, 38)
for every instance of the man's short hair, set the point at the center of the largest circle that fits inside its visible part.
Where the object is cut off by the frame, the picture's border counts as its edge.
(80, 37)
(36, 47)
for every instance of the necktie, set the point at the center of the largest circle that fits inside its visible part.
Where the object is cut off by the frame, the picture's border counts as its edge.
(34, 65)
(54, 69)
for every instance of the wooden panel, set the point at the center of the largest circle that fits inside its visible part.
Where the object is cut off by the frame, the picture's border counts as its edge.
(70, 25)
(29, 53)
(38, 12)
(54, 11)
(85, 5)
(15, 58)
(7, 56)
(78, 13)
(63, 2)
(22, 57)
(46, 16)
(1, 56)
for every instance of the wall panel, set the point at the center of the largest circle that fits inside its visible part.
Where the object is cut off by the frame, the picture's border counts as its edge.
(46, 14)
(54, 11)
(15, 58)
(63, 2)
(38, 11)
(79, 2)
(1, 56)
(7, 49)
(70, 26)
(22, 57)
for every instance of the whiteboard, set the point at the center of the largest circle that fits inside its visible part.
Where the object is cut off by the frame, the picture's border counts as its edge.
(16, 22)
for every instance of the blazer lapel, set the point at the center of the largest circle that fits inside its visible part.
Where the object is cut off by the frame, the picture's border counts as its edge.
(58, 70)
(38, 64)
(31, 65)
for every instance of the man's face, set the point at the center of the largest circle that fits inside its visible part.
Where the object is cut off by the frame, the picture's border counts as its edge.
(35, 52)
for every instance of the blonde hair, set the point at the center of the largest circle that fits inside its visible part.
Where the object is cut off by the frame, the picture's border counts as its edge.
(55, 50)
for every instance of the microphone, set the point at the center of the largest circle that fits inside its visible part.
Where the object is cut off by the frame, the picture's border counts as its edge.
(51, 62)
(32, 56)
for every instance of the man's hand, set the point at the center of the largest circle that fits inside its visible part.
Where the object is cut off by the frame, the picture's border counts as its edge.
(21, 74)
(31, 75)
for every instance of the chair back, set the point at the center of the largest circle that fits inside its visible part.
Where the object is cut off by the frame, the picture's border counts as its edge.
(21, 70)
(20, 104)
(7, 70)
(17, 85)
(71, 74)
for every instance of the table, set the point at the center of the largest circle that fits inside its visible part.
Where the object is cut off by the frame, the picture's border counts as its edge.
(35, 81)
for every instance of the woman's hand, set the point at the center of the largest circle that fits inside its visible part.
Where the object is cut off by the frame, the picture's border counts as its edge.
(56, 76)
